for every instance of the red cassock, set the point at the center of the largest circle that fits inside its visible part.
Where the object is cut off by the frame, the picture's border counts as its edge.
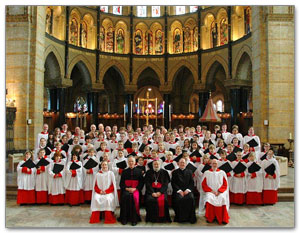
(216, 206)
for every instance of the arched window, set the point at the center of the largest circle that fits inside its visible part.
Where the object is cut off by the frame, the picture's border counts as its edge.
(104, 9)
(80, 105)
(155, 11)
(180, 10)
(141, 11)
(193, 9)
(117, 10)
(219, 106)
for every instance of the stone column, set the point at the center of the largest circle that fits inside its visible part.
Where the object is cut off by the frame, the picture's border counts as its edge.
(61, 105)
(167, 99)
(273, 47)
(235, 99)
(244, 105)
(203, 98)
(25, 39)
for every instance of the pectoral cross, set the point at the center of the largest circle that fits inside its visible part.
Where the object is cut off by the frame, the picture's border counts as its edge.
(155, 182)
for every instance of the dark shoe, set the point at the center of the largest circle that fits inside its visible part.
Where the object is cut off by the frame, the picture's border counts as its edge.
(224, 223)
(123, 222)
(133, 223)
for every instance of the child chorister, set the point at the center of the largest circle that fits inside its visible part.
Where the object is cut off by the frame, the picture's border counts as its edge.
(26, 180)
(118, 165)
(238, 182)
(89, 170)
(254, 181)
(56, 187)
(42, 174)
(271, 174)
(73, 181)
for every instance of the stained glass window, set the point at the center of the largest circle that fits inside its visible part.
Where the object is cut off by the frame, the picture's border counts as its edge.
(193, 9)
(141, 11)
(155, 11)
(104, 9)
(117, 10)
(180, 10)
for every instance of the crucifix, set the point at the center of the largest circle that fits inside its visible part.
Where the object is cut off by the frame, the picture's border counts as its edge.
(147, 99)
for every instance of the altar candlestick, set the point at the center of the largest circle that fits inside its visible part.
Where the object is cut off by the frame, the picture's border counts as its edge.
(169, 112)
(124, 113)
(138, 107)
(131, 109)
(163, 110)
(156, 106)
(290, 136)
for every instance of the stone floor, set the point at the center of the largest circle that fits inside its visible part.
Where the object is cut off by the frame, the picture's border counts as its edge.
(279, 215)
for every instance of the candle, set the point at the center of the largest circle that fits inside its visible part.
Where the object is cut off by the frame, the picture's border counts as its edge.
(290, 136)
(138, 107)
(124, 113)
(156, 106)
(170, 112)
(131, 109)
(189, 108)
(163, 109)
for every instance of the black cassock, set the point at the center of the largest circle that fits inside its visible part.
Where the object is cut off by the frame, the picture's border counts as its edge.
(184, 207)
(129, 203)
(157, 209)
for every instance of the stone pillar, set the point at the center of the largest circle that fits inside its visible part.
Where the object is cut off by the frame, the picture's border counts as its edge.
(167, 99)
(244, 104)
(25, 39)
(273, 47)
(129, 98)
(61, 105)
(203, 98)
(53, 99)
(235, 99)
(95, 104)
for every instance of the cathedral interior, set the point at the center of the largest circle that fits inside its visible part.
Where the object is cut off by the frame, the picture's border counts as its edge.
(84, 65)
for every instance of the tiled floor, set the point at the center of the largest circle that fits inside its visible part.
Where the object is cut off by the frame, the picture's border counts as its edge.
(279, 215)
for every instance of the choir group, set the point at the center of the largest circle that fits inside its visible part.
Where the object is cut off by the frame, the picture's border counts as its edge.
(156, 168)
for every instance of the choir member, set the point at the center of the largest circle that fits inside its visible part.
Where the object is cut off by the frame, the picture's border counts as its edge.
(73, 181)
(218, 137)
(246, 153)
(77, 132)
(98, 142)
(64, 129)
(271, 176)
(254, 181)
(199, 175)
(89, 170)
(84, 146)
(253, 141)
(140, 164)
(205, 149)
(57, 148)
(50, 140)
(26, 180)
(105, 158)
(101, 150)
(183, 197)
(235, 134)
(169, 165)
(81, 137)
(104, 196)
(172, 144)
(42, 145)
(216, 202)
(64, 142)
(146, 154)
(263, 155)
(220, 146)
(131, 184)
(238, 186)
(225, 134)
(115, 152)
(161, 151)
(181, 139)
(198, 131)
(74, 143)
(187, 144)
(156, 198)
(112, 143)
(214, 134)
(118, 166)
(43, 134)
(56, 187)
(212, 152)
(42, 173)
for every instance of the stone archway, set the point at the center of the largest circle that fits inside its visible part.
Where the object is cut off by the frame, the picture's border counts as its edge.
(244, 68)
(148, 77)
(182, 89)
(82, 84)
(114, 90)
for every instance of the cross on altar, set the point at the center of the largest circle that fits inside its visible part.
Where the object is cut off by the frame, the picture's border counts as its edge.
(147, 100)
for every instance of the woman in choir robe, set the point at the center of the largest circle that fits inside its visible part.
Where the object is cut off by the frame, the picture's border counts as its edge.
(271, 178)
(26, 180)
(246, 152)
(183, 197)
(131, 185)
(238, 184)
(214, 184)
(56, 187)
(104, 196)
(254, 181)
(221, 162)
(169, 160)
(57, 148)
(254, 141)
(42, 173)
(199, 174)
(156, 198)
(235, 134)
(88, 173)
(73, 181)
(102, 149)
(105, 157)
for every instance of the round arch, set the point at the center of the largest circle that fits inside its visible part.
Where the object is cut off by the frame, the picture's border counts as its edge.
(153, 66)
(120, 68)
(87, 63)
(219, 59)
(245, 49)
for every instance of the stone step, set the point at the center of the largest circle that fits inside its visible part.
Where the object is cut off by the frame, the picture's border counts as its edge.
(11, 195)
(286, 190)
(11, 187)
(285, 197)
